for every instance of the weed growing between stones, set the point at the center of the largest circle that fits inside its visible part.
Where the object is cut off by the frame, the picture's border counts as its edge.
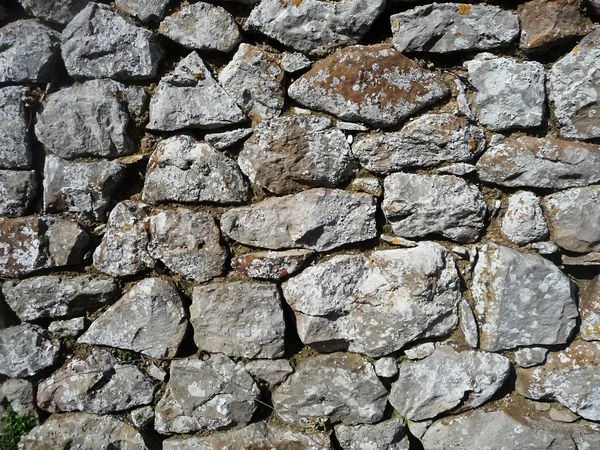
(16, 426)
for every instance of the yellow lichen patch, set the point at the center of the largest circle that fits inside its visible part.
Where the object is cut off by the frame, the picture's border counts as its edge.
(464, 9)
(198, 75)
(296, 2)
(575, 49)
(457, 33)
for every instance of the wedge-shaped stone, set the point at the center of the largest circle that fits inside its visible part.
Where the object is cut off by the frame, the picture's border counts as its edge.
(144, 10)
(57, 11)
(26, 350)
(14, 136)
(17, 190)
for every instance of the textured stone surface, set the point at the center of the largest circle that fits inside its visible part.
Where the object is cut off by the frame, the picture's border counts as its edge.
(142, 417)
(375, 305)
(315, 26)
(57, 11)
(391, 89)
(294, 62)
(68, 327)
(227, 139)
(341, 387)
(149, 319)
(206, 395)
(451, 27)
(385, 435)
(420, 351)
(521, 299)
(98, 43)
(271, 265)
(317, 219)
(589, 310)
(530, 356)
(524, 221)
(271, 372)
(386, 367)
(468, 324)
(14, 139)
(19, 395)
(144, 10)
(420, 205)
(509, 94)
(26, 350)
(17, 190)
(294, 153)
(240, 319)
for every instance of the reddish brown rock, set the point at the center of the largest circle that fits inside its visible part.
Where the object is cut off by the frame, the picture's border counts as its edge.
(271, 265)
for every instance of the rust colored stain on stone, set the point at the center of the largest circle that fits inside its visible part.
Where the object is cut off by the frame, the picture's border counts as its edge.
(464, 9)
(20, 246)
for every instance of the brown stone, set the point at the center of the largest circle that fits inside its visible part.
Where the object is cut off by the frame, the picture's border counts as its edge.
(271, 265)
(589, 310)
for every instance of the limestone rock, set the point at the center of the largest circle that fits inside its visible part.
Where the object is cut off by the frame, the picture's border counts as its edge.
(451, 27)
(68, 327)
(530, 356)
(19, 395)
(271, 372)
(420, 205)
(17, 190)
(149, 319)
(421, 351)
(394, 88)
(191, 98)
(56, 11)
(26, 350)
(589, 310)
(271, 265)
(182, 169)
(368, 184)
(315, 26)
(142, 417)
(227, 139)
(428, 140)
(524, 221)
(144, 10)
(521, 299)
(58, 296)
(386, 367)
(211, 394)
(340, 387)
(294, 153)
(375, 304)
(317, 219)
(202, 26)
(254, 80)
(294, 62)
(468, 324)
(14, 139)
(384, 435)
(238, 318)
(98, 43)
(509, 94)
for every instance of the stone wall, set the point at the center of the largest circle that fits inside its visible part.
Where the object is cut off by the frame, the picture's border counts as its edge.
(300, 224)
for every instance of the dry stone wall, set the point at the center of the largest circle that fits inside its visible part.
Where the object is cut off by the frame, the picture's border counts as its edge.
(300, 224)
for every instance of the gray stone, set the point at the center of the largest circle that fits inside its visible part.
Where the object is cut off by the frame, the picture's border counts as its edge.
(142, 417)
(462, 100)
(521, 299)
(530, 356)
(227, 139)
(66, 241)
(524, 220)
(271, 372)
(60, 12)
(545, 248)
(589, 259)
(17, 190)
(58, 296)
(29, 52)
(420, 205)
(589, 310)
(452, 27)
(97, 384)
(19, 395)
(254, 80)
(468, 324)
(239, 318)
(98, 43)
(294, 153)
(509, 94)
(271, 265)
(182, 169)
(573, 92)
(562, 415)
(420, 351)
(68, 327)
(340, 387)
(367, 184)
(394, 88)
(89, 119)
(315, 26)
(191, 98)
(318, 219)
(149, 319)
(375, 304)
(84, 189)
(14, 137)
(428, 140)
(26, 350)
(387, 435)
(144, 10)
(351, 126)
(386, 367)
(156, 372)
(202, 26)
(294, 62)
(211, 394)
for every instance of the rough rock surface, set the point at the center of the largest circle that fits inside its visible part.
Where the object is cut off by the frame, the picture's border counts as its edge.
(211, 394)
(468, 324)
(341, 387)
(294, 153)
(56, 11)
(530, 356)
(521, 299)
(315, 26)
(240, 319)
(271, 265)
(389, 434)
(149, 319)
(19, 395)
(144, 10)
(391, 89)
(26, 350)
(68, 327)
(227, 139)
(17, 190)
(420, 351)
(386, 367)
(451, 27)
(14, 139)
(317, 219)
(589, 310)
(272, 372)
(523, 221)
(294, 62)
(420, 205)
(375, 305)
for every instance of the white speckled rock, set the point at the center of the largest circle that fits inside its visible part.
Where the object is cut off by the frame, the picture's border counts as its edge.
(386, 367)
(19, 395)
(227, 139)
(68, 328)
(530, 356)
(14, 137)
(271, 265)
(524, 220)
(420, 351)
(294, 62)
(26, 350)
(272, 372)
(17, 190)
(389, 434)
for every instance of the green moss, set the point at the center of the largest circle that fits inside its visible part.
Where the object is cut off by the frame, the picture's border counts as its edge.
(16, 426)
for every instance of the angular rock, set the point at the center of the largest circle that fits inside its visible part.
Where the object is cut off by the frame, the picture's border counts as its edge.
(17, 190)
(271, 265)
(19, 395)
(589, 259)
(182, 169)
(421, 351)
(367, 184)
(452, 27)
(524, 220)
(227, 139)
(191, 98)
(142, 417)
(149, 319)
(254, 80)
(67, 328)
(521, 299)
(58, 296)
(144, 10)
(375, 304)
(96, 384)
(29, 53)
(14, 137)
(314, 26)
(295, 153)
(389, 434)
(420, 205)
(202, 26)
(509, 94)
(530, 356)
(589, 310)
(98, 43)
(428, 140)
(392, 89)
(271, 372)
(26, 350)
(294, 62)
(211, 394)
(239, 318)
(60, 12)
(386, 367)
(317, 219)
(468, 324)
(447, 380)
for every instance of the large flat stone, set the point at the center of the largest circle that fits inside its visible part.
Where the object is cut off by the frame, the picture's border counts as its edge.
(144, 10)
(26, 350)
(389, 434)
